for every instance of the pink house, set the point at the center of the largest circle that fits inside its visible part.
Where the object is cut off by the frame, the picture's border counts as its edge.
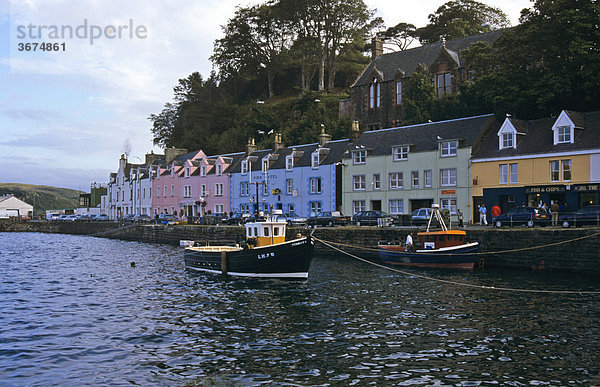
(213, 182)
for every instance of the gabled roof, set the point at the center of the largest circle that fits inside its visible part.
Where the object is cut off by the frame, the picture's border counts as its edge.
(407, 61)
(424, 137)
(538, 138)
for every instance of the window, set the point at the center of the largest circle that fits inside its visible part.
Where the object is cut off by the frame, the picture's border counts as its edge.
(448, 177)
(265, 165)
(149, 192)
(358, 182)
(554, 170)
(187, 172)
(244, 167)
(396, 180)
(566, 166)
(315, 208)
(358, 205)
(289, 186)
(203, 190)
(244, 188)
(245, 208)
(359, 157)
(414, 179)
(158, 191)
(448, 148)
(396, 206)
(219, 170)
(503, 174)
(398, 92)
(427, 178)
(265, 189)
(450, 205)
(443, 84)
(400, 153)
(165, 191)
(315, 160)
(564, 134)
(291, 208)
(203, 170)
(508, 140)
(514, 173)
(374, 95)
(315, 185)
(289, 163)
(219, 189)
(376, 181)
(219, 208)
(187, 191)
(172, 190)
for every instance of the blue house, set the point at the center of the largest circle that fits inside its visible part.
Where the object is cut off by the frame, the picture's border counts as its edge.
(305, 179)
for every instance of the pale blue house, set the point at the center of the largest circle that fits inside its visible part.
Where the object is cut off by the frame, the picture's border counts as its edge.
(304, 179)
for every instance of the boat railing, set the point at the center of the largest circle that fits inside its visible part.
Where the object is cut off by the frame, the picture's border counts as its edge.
(207, 243)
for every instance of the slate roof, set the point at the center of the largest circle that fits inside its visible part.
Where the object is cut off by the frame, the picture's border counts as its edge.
(407, 61)
(538, 137)
(336, 151)
(425, 137)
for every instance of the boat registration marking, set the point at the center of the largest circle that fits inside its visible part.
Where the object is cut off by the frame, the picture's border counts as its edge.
(266, 255)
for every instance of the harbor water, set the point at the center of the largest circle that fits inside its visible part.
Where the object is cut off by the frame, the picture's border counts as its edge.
(78, 310)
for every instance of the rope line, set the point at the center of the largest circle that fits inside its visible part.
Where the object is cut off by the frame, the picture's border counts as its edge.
(485, 252)
(455, 283)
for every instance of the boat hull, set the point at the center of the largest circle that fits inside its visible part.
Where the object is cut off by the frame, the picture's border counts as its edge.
(284, 260)
(456, 257)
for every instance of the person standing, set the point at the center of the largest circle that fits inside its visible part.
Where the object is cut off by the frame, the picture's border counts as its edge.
(554, 207)
(483, 215)
(459, 214)
(496, 211)
(409, 242)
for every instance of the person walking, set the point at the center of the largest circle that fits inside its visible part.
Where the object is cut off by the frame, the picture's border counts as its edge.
(554, 207)
(483, 215)
(459, 214)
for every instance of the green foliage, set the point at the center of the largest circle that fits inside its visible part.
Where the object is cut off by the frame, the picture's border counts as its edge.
(419, 97)
(460, 18)
(42, 197)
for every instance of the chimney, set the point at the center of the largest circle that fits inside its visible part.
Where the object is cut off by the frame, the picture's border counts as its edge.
(251, 146)
(324, 138)
(376, 48)
(151, 157)
(122, 161)
(277, 144)
(172, 153)
(355, 133)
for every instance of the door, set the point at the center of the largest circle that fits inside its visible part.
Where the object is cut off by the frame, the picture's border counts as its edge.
(376, 205)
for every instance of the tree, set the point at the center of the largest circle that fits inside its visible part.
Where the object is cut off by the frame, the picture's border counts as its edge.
(460, 18)
(402, 35)
(419, 97)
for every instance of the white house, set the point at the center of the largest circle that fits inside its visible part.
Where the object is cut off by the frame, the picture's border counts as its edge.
(10, 206)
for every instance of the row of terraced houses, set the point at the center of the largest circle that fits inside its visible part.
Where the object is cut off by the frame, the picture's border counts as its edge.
(460, 163)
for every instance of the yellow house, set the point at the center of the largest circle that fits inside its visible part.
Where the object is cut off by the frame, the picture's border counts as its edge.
(540, 161)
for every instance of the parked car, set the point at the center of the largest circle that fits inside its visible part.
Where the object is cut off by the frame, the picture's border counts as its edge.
(167, 219)
(67, 218)
(371, 218)
(86, 217)
(589, 215)
(128, 218)
(329, 218)
(100, 217)
(420, 215)
(292, 219)
(142, 218)
(518, 216)
(237, 219)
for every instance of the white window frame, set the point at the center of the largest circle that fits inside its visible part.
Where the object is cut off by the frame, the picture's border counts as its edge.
(358, 205)
(396, 180)
(554, 170)
(503, 174)
(203, 190)
(396, 206)
(172, 190)
(265, 164)
(448, 177)
(563, 134)
(219, 208)
(400, 152)
(203, 170)
(567, 167)
(187, 172)
(358, 183)
(244, 167)
(376, 181)
(314, 160)
(289, 186)
(219, 169)
(514, 173)
(398, 92)
(218, 189)
(449, 204)
(414, 179)
(359, 156)
(428, 178)
(449, 148)
(315, 185)
(165, 191)
(289, 163)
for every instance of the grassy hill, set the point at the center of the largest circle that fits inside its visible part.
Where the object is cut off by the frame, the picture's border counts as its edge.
(42, 197)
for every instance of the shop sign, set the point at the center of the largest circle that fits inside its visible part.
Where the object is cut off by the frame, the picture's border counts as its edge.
(545, 189)
(448, 192)
(586, 187)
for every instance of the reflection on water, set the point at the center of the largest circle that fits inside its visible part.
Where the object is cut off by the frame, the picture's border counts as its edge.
(73, 311)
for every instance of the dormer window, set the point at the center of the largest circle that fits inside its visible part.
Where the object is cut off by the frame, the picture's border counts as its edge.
(398, 92)
(359, 156)
(289, 163)
(187, 172)
(203, 170)
(400, 153)
(315, 160)
(219, 169)
(448, 148)
(508, 140)
(244, 167)
(564, 134)
(265, 164)
(507, 135)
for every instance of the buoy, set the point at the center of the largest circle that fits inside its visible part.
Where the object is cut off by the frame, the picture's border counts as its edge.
(132, 264)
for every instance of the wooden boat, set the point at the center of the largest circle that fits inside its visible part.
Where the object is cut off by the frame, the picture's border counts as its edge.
(265, 254)
(438, 249)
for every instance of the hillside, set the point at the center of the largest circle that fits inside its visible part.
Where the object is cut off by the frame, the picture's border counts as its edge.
(42, 197)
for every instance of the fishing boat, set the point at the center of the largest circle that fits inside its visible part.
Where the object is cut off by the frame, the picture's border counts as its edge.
(265, 253)
(438, 249)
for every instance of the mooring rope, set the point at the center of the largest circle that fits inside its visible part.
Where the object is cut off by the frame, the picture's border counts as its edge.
(455, 283)
(485, 252)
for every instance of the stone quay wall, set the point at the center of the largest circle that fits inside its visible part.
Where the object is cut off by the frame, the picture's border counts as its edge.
(570, 250)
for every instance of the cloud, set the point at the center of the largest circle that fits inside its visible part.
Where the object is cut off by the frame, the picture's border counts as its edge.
(46, 116)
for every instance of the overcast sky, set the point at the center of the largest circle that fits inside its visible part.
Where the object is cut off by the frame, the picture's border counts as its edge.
(67, 116)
